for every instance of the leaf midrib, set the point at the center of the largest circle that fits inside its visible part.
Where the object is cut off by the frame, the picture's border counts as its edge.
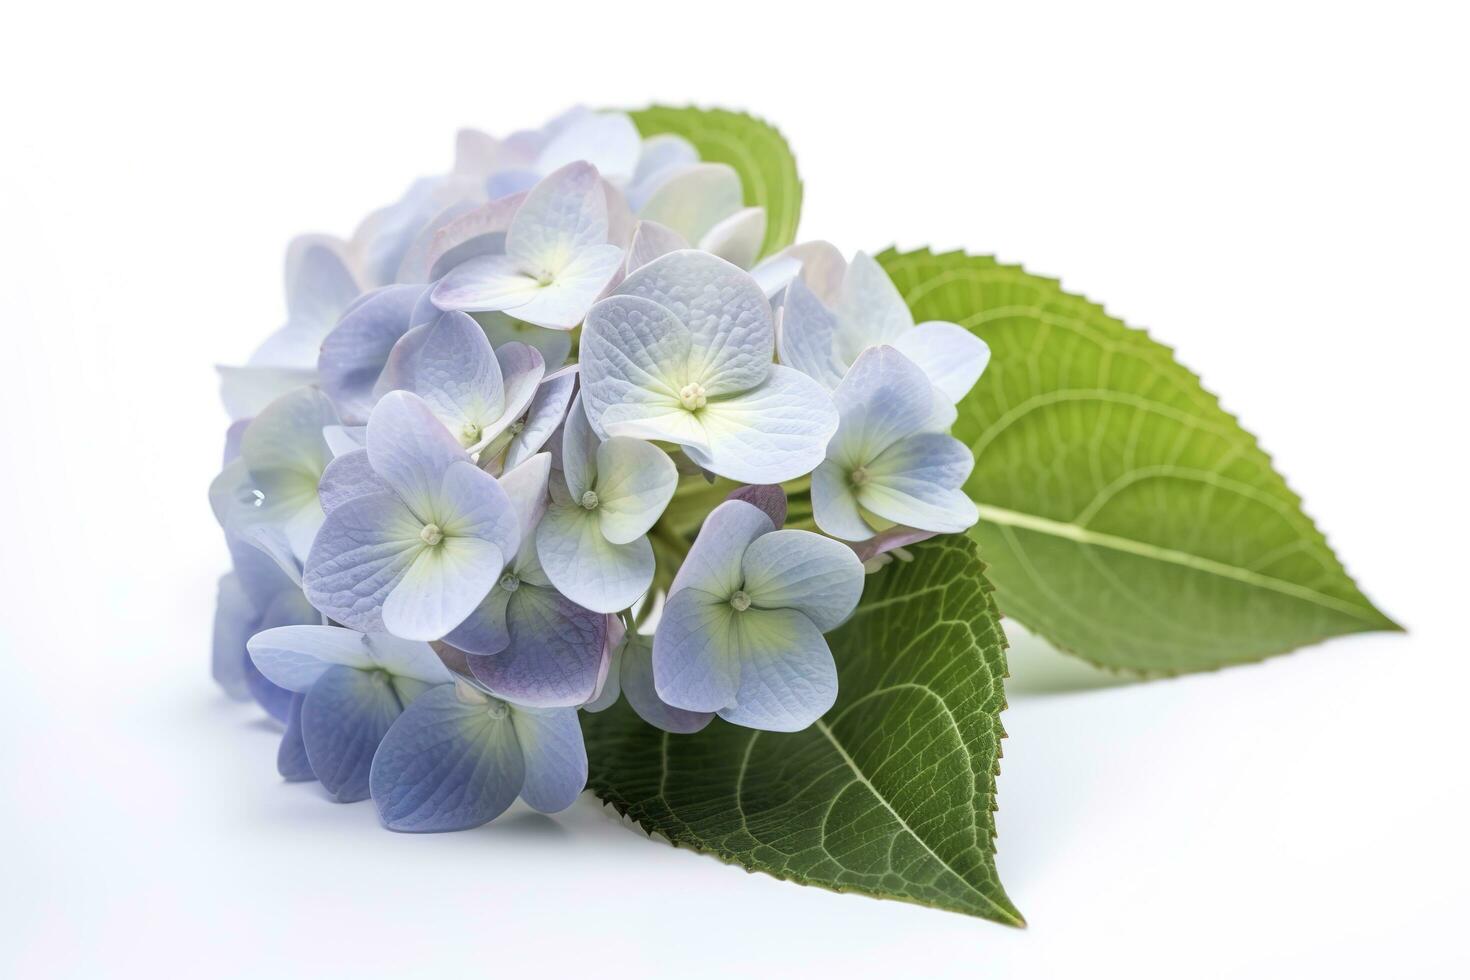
(1005, 913)
(1143, 549)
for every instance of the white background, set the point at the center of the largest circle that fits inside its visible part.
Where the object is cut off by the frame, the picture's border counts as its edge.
(1280, 193)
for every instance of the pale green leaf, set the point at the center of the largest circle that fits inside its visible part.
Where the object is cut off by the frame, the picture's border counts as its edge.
(1125, 516)
(752, 146)
(891, 794)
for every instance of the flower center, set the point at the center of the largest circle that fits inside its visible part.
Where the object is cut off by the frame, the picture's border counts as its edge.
(692, 396)
(496, 708)
(517, 427)
(589, 500)
(740, 601)
(431, 534)
(469, 434)
(859, 477)
(510, 582)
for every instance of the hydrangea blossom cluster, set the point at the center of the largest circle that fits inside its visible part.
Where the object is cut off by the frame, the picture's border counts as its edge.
(548, 432)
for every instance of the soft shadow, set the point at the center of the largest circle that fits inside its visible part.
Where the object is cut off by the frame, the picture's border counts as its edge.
(528, 825)
(1039, 669)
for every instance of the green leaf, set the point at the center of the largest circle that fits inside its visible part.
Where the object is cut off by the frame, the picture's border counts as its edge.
(891, 794)
(752, 146)
(1126, 517)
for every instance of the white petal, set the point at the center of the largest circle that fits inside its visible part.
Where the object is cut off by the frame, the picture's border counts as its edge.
(486, 282)
(449, 364)
(775, 432)
(731, 331)
(787, 677)
(586, 567)
(807, 336)
(609, 140)
(870, 307)
(563, 302)
(293, 657)
(916, 483)
(695, 666)
(525, 486)
(659, 158)
(547, 409)
(246, 391)
(634, 353)
(822, 267)
(442, 587)
(835, 506)
(406, 658)
(411, 450)
(737, 239)
(883, 398)
(790, 569)
(713, 564)
(564, 214)
(578, 451)
(950, 355)
(695, 199)
(635, 482)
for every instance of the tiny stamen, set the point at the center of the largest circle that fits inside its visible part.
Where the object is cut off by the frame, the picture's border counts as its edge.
(859, 477)
(589, 500)
(431, 534)
(510, 582)
(692, 396)
(469, 434)
(496, 708)
(740, 601)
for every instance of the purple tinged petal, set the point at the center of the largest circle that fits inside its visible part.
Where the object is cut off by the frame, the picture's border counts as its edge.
(452, 761)
(484, 631)
(556, 653)
(343, 719)
(769, 497)
(354, 353)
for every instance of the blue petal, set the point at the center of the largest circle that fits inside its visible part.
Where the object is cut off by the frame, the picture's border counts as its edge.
(345, 716)
(291, 760)
(234, 621)
(452, 761)
(555, 758)
(275, 700)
